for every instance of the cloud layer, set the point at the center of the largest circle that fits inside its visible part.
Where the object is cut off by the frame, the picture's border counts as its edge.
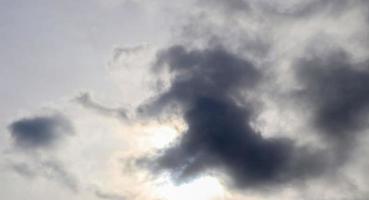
(269, 98)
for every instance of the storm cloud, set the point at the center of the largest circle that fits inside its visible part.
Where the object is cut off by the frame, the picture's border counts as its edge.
(212, 88)
(40, 131)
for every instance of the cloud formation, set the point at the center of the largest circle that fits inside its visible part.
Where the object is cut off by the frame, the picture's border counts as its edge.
(338, 91)
(86, 101)
(214, 79)
(40, 131)
(237, 81)
(212, 88)
(48, 169)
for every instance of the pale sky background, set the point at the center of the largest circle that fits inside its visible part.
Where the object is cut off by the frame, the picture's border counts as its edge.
(85, 71)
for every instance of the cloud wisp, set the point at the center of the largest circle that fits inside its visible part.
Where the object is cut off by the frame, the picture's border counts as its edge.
(87, 102)
(48, 169)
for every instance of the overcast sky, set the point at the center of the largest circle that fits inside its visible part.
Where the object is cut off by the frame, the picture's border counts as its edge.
(196, 99)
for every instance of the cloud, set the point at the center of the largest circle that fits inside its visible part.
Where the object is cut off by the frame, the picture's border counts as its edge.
(23, 169)
(337, 90)
(225, 82)
(296, 9)
(110, 196)
(127, 51)
(306, 9)
(40, 131)
(56, 170)
(48, 169)
(212, 88)
(86, 101)
(230, 5)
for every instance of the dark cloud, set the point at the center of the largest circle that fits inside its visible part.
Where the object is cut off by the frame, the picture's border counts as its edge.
(337, 90)
(86, 101)
(210, 86)
(42, 131)
(213, 73)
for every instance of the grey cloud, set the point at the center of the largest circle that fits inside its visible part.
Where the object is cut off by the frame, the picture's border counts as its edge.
(210, 86)
(86, 101)
(304, 9)
(48, 169)
(230, 5)
(337, 89)
(118, 52)
(297, 9)
(55, 170)
(23, 169)
(40, 131)
(212, 89)
(110, 196)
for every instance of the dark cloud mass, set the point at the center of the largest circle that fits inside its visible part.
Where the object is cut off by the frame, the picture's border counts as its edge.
(337, 89)
(36, 132)
(211, 86)
(271, 98)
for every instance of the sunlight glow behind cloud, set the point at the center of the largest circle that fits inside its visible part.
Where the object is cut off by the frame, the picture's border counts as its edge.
(204, 188)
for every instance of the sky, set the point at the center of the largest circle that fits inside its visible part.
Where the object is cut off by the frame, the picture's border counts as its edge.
(196, 99)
